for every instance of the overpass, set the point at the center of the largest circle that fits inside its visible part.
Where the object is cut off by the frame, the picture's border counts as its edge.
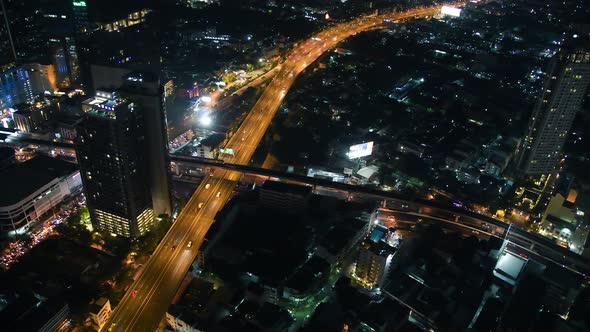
(143, 308)
(531, 243)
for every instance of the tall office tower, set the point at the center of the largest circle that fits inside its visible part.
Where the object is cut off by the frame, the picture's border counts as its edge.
(59, 24)
(15, 87)
(80, 11)
(145, 90)
(111, 152)
(64, 56)
(555, 111)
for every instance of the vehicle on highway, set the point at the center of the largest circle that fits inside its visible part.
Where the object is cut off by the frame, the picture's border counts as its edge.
(207, 186)
(134, 293)
(218, 194)
(190, 244)
(173, 247)
(201, 205)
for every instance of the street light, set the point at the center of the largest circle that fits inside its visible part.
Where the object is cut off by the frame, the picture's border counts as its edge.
(206, 120)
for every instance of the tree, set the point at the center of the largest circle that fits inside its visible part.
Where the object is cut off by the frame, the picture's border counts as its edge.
(229, 77)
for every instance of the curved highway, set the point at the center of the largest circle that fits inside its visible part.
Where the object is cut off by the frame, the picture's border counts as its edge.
(143, 307)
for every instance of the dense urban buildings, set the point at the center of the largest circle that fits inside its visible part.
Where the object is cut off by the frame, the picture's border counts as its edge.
(313, 165)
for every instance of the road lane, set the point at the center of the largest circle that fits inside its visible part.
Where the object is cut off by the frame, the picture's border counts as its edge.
(166, 268)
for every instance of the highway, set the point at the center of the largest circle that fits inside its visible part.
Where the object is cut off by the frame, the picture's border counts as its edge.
(144, 305)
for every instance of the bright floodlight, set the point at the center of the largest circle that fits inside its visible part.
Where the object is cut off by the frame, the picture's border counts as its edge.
(360, 150)
(206, 120)
(452, 11)
(206, 99)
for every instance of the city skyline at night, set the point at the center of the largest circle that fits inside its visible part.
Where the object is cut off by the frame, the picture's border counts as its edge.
(316, 165)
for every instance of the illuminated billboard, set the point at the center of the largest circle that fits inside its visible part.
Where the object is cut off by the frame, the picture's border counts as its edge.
(448, 10)
(360, 150)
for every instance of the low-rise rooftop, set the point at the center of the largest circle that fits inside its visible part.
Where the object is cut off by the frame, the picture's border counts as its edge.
(21, 180)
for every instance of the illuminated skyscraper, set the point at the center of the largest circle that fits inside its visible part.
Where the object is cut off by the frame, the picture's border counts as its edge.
(111, 152)
(15, 87)
(555, 111)
(80, 15)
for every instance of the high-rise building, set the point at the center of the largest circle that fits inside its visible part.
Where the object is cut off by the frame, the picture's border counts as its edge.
(373, 263)
(42, 77)
(15, 87)
(80, 12)
(555, 111)
(111, 152)
(145, 90)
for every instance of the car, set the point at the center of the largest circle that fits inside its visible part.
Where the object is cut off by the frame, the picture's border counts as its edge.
(207, 186)
(201, 205)
(218, 194)
(190, 244)
(173, 247)
(134, 293)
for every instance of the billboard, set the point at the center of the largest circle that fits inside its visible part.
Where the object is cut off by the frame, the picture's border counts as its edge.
(360, 150)
(448, 10)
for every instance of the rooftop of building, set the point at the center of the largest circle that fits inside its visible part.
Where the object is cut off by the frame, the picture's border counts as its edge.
(289, 188)
(379, 248)
(96, 306)
(21, 180)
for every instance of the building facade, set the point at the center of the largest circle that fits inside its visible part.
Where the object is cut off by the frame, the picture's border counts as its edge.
(554, 112)
(373, 263)
(145, 90)
(100, 311)
(15, 87)
(39, 185)
(29, 117)
(111, 152)
(288, 197)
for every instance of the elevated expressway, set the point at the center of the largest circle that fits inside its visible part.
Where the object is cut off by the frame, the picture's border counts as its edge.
(143, 308)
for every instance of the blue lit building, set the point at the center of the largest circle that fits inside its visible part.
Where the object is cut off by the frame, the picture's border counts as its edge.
(15, 87)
